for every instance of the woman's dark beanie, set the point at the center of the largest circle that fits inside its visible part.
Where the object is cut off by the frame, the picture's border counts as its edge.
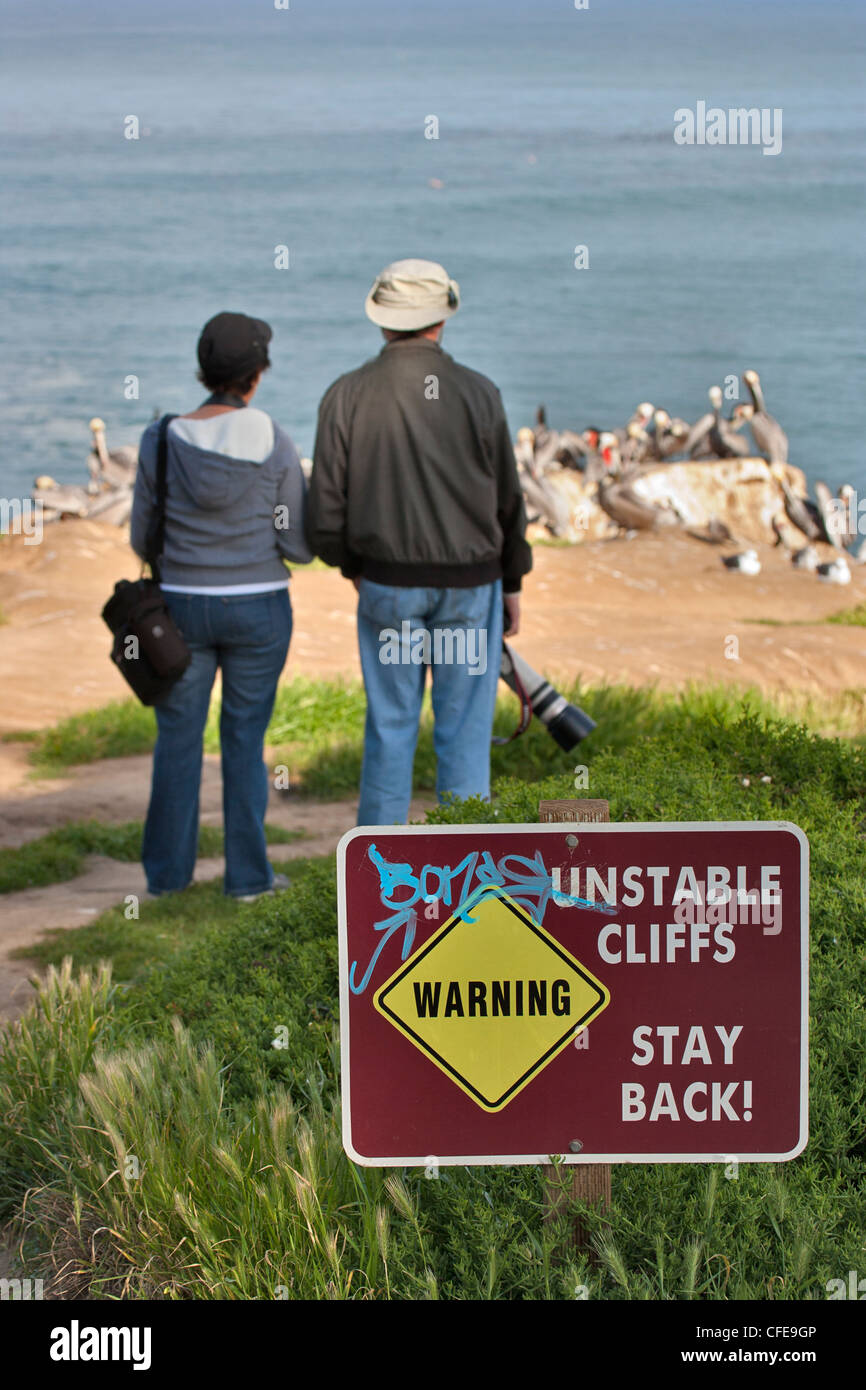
(233, 346)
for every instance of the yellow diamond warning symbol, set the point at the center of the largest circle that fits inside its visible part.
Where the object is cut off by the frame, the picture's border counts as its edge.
(491, 998)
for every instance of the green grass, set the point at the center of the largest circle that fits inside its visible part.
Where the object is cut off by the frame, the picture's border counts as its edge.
(116, 730)
(850, 617)
(60, 855)
(327, 763)
(163, 927)
(242, 1190)
(317, 729)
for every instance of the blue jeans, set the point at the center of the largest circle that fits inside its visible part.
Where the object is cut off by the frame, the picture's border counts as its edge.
(247, 636)
(458, 632)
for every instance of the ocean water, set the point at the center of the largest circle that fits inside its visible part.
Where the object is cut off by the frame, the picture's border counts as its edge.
(306, 128)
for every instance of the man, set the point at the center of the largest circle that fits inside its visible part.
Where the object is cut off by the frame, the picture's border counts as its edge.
(415, 495)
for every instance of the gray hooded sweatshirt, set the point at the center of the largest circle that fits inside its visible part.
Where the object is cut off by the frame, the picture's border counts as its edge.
(235, 498)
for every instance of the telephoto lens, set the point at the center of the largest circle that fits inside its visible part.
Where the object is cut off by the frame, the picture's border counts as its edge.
(566, 723)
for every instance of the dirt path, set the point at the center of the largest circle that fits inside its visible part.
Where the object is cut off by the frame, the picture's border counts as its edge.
(658, 608)
(115, 791)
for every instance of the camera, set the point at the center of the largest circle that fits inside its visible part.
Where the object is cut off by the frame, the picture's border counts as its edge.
(565, 722)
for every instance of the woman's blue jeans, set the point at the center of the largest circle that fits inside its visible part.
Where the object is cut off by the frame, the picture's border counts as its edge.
(247, 637)
(460, 631)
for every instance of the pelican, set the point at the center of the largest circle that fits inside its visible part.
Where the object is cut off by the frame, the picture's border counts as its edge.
(723, 438)
(669, 435)
(657, 431)
(713, 434)
(642, 415)
(630, 511)
(540, 497)
(698, 436)
(595, 466)
(542, 433)
(832, 513)
(636, 447)
(801, 510)
(114, 507)
(534, 457)
(59, 500)
(847, 512)
(715, 532)
(545, 450)
(573, 450)
(549, 506)
(547, 443)
(608, 447)
(768, 434)
(524, 450)
(786, 536)
(117, 467)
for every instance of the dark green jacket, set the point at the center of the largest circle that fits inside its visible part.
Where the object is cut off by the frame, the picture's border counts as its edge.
(414, 477)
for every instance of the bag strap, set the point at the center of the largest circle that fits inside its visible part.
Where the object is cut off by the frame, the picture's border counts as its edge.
(525, 704)
(156, 530)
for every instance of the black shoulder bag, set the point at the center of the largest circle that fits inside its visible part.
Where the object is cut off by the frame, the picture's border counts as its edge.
(149, 649)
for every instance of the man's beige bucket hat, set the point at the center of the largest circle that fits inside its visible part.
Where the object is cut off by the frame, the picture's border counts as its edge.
(412, 294)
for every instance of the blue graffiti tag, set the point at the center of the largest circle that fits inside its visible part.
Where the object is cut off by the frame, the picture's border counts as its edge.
(525, 880)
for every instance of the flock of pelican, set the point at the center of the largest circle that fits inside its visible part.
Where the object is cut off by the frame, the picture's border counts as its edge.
(613, 459)
(107, 496)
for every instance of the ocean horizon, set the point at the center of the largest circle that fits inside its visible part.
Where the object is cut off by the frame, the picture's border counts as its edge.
(307, 127)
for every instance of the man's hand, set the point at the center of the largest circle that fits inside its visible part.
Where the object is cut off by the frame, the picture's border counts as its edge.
(512, 610)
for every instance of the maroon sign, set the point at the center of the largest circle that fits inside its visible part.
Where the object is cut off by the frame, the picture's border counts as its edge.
(605, 993)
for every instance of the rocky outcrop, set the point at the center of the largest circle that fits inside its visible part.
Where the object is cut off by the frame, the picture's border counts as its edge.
(740, 495)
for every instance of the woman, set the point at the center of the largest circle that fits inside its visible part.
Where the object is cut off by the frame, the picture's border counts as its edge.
(234, 512)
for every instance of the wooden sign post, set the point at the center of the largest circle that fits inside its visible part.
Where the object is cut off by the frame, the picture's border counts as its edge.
(586, 1182)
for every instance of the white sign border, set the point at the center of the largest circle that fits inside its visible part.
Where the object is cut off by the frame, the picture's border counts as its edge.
(580, 828)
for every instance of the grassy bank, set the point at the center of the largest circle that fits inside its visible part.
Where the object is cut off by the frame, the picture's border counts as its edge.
(851, 617)
(60, 855)
(317, 729)
(177, 1127)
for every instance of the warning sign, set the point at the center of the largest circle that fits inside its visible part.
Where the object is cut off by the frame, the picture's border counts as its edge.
(491, 998)
(607, 993)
